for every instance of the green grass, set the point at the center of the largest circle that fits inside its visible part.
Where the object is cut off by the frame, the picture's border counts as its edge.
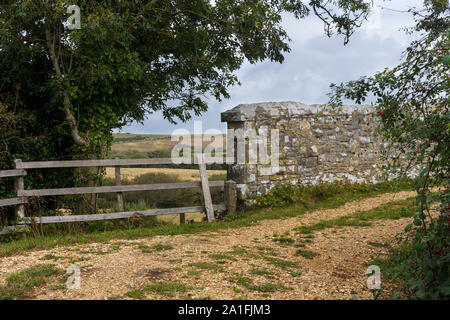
(267, 287)
(262, 272)
(284, 240)
(305, 253)
(173, 261)
(201, 298)
(206, 266)
(194, 273)
(235, 289)
(281, 263)
(135, 294)
(221, 256)
(392, 210)
(165, 288)
(398, 267)
(267, 250)
(238, 251)
(20, 284)
(161, 288)
(243, 281)
(248, 283)
(376, 244)
(53, 257)
(144, 248)
(99, 251)
(162, 247)
(267, 254)
(313, 198)
(55, 287)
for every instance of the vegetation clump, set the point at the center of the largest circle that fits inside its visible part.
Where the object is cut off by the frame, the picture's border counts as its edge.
(20, 284)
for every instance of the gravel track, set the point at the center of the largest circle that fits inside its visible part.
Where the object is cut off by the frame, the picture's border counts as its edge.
(109, 271)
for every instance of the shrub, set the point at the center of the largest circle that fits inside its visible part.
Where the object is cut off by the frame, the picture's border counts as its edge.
(280, 196)
(413, 109)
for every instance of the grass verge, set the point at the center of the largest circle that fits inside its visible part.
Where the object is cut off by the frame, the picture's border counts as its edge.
(392, 210)
(162, 288)
(317, 197)
(19, 284)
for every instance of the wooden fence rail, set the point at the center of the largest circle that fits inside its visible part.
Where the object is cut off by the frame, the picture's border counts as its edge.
(118, 215)
(22, 194)
(12, 173)
(114, 189)
(93, 163)
(18, 174)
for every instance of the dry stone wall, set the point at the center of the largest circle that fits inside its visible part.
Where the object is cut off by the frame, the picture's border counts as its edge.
(316, 145)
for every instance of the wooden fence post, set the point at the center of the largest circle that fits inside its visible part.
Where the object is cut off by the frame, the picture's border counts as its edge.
(19, 187)
(182, 218)
(205, 189)
(23, 194)
(119, 194)
(230, 196)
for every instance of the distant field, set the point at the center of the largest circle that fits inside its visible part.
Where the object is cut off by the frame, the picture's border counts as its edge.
(134, 146)
(146, 144)
(183, 174)
(142, 143)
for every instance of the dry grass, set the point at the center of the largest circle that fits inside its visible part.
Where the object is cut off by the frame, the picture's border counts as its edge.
(175, 218)
(183, 174)
(143, 143)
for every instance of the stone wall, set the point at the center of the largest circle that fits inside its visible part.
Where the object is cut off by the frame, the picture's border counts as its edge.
(316, 145)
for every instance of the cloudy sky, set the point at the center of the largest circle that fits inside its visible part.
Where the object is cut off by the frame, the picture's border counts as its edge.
(314, 62)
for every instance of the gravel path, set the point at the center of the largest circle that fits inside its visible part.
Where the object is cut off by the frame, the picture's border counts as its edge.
(228, 264)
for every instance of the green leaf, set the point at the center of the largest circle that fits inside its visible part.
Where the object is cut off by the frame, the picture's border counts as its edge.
(446, 60)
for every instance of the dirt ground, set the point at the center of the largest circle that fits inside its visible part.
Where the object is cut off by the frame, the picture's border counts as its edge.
(229, 264)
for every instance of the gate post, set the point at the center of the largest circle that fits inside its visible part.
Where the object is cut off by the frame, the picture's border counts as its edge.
(230, 196)
(119, 194)
(19, 187)
(205, 188)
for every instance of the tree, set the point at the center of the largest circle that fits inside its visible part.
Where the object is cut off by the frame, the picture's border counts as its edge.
(31, 134)
(131, 58)
(413, 103)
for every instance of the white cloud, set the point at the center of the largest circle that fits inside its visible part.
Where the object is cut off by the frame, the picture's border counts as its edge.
(314, 62)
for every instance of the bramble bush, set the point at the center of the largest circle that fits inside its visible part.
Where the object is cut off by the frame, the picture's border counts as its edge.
(412, 104)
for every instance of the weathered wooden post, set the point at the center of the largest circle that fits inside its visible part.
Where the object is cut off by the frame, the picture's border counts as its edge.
(182, 218)
(230, 196)
(19, 187)
(119, 194)
(205, 188)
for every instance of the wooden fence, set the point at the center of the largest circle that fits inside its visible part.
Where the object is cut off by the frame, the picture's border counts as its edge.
(22, 194)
